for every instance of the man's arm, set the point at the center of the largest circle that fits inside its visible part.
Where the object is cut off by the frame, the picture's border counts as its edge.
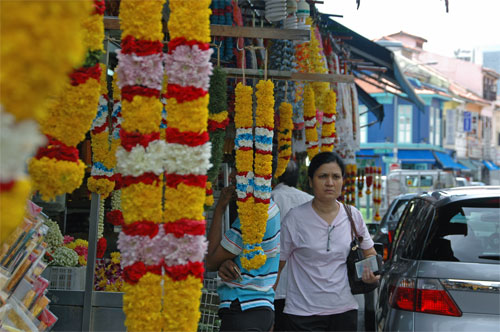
(280, 268)
(216, 253)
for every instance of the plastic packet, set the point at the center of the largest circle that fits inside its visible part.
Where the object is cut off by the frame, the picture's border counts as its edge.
(47, 320)
(16, 317)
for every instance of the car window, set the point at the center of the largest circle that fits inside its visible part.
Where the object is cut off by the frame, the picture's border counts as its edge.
(400, 207)
(468, 231)
(417, 227)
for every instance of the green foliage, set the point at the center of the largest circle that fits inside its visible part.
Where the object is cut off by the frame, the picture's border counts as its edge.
(92, 58)
(218, 91)
(217, 138)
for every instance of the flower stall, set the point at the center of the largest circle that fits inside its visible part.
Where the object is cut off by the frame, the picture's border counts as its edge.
(158, 98)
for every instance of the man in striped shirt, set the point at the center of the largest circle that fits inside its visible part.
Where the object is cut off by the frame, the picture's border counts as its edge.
(246, 297)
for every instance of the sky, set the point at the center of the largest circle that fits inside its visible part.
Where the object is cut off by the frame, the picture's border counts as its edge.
(468, 24)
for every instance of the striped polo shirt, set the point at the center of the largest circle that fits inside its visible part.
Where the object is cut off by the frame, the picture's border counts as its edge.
(256, 288)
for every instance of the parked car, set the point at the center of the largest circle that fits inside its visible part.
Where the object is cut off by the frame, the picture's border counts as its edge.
(477, 183)
(462, 182)
(443, 271)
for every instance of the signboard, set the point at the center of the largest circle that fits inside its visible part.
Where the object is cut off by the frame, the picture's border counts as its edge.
(394, 166)
(389, 160)
(467, 122)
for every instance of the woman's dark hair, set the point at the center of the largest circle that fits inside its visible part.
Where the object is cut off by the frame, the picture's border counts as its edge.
(324, 158)
(291, 174)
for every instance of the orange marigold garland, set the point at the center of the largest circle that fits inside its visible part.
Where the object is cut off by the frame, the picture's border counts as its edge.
(56, 168)
(187, 161)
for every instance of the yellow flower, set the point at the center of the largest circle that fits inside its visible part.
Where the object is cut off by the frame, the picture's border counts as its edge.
(53, 177)
(142, 202)
(310, 111)
(28, 78)
(264, 114)
(13, 207)
(104, 83)
(82, 261)
(117, 93)
(100, 146)
(209, 198)
(94, 32)
(182, 115)
(142, 19)
(70, 116)
(190, 19)
(101, 186)
(243, 106)
(218, 117)
(328, 129)
(181, 312)
(115, 257)
(183, 202)
(254, 263)
(110, 159)
(142, 304)
(244, 160)
(143, 114)
(284, 138)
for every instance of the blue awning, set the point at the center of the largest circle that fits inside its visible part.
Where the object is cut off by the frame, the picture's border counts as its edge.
(365, 154)
(490, 165)
(469, 164)
(447, 162)
(416, 156)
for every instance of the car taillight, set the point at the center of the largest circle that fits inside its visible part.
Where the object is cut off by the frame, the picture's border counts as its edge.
(423, 295)
(390, 235)
(386, 252)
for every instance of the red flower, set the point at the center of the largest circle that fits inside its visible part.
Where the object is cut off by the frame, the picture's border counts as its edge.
(141, 228)
(101, 247)
(181, 272)
(185, 226)
(133, 273)
(115, 217)
(184, 93)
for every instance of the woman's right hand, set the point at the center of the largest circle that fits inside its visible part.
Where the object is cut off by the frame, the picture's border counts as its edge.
(228, 271)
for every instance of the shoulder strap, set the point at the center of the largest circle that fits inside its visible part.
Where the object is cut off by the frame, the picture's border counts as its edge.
(354, 232)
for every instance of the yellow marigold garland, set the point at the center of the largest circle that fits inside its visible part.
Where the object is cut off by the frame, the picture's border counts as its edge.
(36, 26)
(12, 207)
(142, 114)
(310, 122)
(141, 202)
(284, 138)
(191, 21)
(328, 127)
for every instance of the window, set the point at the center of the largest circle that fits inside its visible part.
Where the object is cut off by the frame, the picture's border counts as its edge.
(404, 124)
(363, 121)
(437, 131)
(431, 125)
(419, 181)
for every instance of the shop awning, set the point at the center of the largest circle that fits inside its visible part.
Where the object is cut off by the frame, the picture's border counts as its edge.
(365, 154)
(490, 165)
(446, 161)
(469, 164)
(363, 48)
(371, 103)
(416, 156)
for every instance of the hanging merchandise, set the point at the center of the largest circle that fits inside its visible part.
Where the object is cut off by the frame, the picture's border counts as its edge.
(377, 192)
(310, 122)
(254, 176)
(56, 169)
(42, 73)
(282, 57)
(369, 179)
(328, 126)
(139, 160)
(217, 122)
(284, 138)
(350, 184)
(187, 160)
(360, 181)
(101, 177)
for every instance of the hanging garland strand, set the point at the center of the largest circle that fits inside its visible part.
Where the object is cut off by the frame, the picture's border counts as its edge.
(139, 160)
(310, 122)
(284, 138)
(217, 122)
(56, 168)
(187, 159)
(328, 127)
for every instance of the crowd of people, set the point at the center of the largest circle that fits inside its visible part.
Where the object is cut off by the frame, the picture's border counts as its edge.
(303, 285)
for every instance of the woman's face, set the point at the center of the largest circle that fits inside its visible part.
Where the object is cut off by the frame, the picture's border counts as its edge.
(327, 182)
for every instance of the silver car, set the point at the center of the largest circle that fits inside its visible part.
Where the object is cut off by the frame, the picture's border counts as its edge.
(443, 272)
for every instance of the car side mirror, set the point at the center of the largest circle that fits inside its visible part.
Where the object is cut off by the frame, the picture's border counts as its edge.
(379, 248)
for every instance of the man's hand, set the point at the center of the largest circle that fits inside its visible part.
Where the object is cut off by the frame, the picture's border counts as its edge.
(226, 195)
(229, 271)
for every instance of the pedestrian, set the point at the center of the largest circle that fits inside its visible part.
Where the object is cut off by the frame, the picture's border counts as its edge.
(286, 196)
(246, 297)
(315, 243)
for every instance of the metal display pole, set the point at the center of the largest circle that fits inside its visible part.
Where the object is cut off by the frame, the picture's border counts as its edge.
(89, 273)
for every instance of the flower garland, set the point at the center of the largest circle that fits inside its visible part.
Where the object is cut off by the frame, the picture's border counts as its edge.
(101, 179)
(253, 233)
(328, 127)
(310, 122)
(139, 158)
(108, 275)
(42, 73)
(187, 160)
(284, 138)
(56, 168)
(217, 122)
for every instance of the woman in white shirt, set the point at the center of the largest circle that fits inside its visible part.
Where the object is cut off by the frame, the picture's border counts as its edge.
(315, 242)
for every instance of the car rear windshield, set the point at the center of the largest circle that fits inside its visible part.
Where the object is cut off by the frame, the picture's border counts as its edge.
(466, 232)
